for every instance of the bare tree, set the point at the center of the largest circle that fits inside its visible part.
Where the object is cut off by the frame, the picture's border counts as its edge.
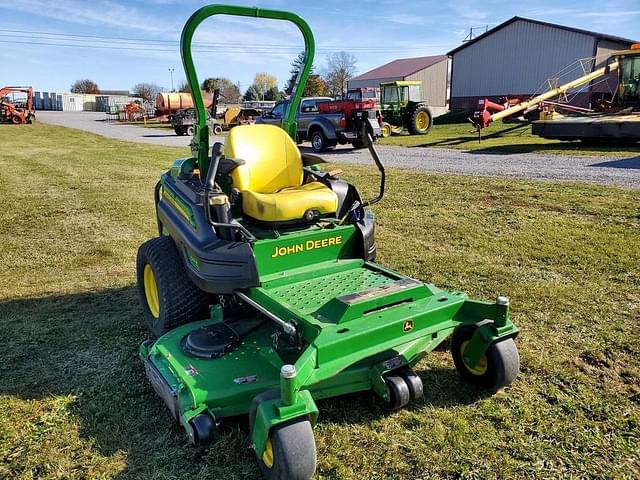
(85, 86)
(341, 67)
(184, 87)
(147, 91)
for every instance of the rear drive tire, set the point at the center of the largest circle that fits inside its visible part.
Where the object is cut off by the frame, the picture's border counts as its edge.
(496, 369)
(290, 453)
(318, 141)
(167, 295)
(420, 120)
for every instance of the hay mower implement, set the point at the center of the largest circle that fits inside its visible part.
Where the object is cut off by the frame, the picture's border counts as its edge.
(262, 294)
(617, 120)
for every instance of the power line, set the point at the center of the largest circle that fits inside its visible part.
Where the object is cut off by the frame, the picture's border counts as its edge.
(145, 43)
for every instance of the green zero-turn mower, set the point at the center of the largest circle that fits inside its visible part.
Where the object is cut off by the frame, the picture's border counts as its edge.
(262, 295)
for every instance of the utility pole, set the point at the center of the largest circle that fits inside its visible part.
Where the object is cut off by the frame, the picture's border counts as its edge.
(171, 72)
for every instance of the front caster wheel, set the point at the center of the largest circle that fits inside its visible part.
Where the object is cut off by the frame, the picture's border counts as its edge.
(204, 429)
(414, 382)
(399, 392)
(290, 452)
(496, 369)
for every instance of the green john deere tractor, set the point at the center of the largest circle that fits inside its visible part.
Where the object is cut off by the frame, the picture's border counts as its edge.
(262, 295)
(402, 107)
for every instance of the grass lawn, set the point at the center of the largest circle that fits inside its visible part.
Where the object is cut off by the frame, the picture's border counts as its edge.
(76, 405)
(505, 138)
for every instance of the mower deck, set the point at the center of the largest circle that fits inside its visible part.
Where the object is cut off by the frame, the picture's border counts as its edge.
(362, 320)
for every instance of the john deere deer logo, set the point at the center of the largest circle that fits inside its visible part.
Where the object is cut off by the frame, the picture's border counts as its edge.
(407, 326)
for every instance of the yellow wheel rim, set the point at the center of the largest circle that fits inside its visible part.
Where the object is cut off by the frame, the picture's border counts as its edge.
(151, 291)
(480, 368)
(386, 130)
(422, 120)
(267, 455)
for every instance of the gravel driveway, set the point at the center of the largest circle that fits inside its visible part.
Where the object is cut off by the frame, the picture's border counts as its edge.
(621, 171)
(96, 122)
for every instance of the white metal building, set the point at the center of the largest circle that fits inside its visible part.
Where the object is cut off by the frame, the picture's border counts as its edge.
(431, 71)
(519, 56)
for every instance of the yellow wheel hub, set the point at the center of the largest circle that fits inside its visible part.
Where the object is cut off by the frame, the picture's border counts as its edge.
(267, 455)
(422, 120)
(480, 368)
(386, 130)
(151, 291)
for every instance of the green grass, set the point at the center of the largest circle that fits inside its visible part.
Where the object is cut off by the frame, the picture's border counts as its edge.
(504, 138)
(76, 405)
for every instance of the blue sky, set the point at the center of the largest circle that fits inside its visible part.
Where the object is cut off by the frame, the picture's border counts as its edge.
(374, 31)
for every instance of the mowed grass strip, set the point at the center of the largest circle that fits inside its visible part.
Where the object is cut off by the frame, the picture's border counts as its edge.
(75, 402)
(502, 137)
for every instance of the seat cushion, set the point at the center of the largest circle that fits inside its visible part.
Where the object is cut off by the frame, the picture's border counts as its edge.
(289, 203)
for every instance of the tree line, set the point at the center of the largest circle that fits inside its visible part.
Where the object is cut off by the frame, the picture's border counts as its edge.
(332, 82)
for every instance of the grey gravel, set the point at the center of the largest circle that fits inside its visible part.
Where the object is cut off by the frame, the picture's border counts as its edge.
(621, 171)
(96, 122)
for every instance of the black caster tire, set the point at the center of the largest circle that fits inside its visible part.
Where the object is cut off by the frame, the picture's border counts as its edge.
(217, 130)
(167, 295)
(290, 453)
(399, 393)
(204, 429)
(414, 382)
(190, 130)
(496, 369)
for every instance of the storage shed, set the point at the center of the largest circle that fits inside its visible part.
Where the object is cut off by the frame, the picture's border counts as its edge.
(519, 56)
(431, 71)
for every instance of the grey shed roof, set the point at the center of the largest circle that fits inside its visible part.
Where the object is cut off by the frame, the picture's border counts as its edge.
(401, 67)
(599, 36)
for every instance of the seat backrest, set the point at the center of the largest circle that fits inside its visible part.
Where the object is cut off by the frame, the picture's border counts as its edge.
(271, 159)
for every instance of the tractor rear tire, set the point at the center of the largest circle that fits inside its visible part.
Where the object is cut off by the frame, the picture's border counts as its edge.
(290, 453)
(168, 297)
(496, 369)
(420, 120)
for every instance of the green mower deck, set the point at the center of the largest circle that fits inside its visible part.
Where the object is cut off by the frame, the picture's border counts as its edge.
(360, 320)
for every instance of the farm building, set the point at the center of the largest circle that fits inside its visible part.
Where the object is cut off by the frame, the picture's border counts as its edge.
(432, 71)
(519, 56)
(77, 102)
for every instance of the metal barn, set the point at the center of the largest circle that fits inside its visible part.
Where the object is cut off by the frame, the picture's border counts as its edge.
(520, 57)
(431, 71)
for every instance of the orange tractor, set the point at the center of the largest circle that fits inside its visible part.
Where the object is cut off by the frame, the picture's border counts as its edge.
(16, 112)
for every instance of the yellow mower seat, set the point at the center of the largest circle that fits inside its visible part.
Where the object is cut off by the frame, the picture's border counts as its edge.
(270, 178)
